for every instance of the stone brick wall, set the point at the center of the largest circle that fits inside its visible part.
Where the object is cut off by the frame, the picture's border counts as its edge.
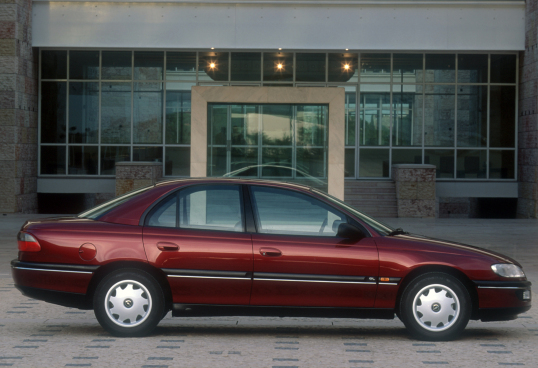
(528, 117)
(134, 175)
(18, 108)
(415, 190)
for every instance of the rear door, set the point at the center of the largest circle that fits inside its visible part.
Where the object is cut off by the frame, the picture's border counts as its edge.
(299, 260)
(196, 236)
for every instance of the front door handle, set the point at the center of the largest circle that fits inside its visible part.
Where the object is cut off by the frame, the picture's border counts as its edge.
(270, 252)
(167, 246)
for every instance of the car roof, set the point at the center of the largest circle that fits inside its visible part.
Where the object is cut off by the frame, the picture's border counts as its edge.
(235, 180)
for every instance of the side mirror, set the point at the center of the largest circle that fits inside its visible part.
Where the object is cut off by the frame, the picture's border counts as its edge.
(348, 231)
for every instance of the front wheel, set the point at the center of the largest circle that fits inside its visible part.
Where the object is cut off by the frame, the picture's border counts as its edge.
(435, 307)
(128, 303)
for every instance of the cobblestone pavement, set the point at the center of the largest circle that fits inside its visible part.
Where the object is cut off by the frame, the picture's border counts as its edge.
(37, 334)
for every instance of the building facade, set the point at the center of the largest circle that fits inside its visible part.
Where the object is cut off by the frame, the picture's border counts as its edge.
(338, 91)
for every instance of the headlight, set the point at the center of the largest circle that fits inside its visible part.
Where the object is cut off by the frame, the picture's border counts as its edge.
(508, 270)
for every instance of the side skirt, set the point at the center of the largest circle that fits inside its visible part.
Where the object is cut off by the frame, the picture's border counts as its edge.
(199, 310)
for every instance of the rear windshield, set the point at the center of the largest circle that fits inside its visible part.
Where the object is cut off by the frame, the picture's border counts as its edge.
(381, 228)
(96, 212)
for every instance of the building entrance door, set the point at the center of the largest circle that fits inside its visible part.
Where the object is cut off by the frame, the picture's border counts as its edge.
(271, 141)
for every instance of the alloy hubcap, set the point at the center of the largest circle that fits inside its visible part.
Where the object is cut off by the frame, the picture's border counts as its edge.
(128, 303)
(436, 307)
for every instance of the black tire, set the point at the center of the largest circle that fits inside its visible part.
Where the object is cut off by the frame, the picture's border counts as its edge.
(435, 307)
(136, 311)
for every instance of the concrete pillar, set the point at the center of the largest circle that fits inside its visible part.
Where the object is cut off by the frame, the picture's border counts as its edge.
(134, 175)
(18, 108)
(415, 190)
(527, 204)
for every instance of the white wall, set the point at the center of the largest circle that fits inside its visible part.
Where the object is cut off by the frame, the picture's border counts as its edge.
(297, 25)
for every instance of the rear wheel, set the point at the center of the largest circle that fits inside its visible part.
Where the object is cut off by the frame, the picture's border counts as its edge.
(435, 307)
(129, 303)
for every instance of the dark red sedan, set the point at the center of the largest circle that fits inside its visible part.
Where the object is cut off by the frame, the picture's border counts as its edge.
(213, 247)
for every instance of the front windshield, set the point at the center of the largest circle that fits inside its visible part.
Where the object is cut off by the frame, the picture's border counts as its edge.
(380, 227)
(97, 211)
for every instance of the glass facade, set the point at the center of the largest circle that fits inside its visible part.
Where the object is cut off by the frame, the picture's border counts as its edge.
(453, 110)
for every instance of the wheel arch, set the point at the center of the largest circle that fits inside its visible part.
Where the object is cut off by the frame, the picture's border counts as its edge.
(108, 268)
(454, 272)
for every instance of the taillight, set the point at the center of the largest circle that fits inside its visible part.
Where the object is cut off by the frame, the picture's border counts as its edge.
(27, 243)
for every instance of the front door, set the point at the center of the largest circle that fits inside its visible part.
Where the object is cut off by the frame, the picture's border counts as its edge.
(299, 260)
(196, 236)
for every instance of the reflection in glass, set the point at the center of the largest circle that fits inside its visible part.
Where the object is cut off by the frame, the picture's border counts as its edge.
(213, 66)
(53, 160)
(349, 163)
(83, 160)
(148, 65)
(278, 66)
(242, 158)
(471, 164)
(440, 68)
(472, 68)
(311, 161)
(154, 154)
(177, 161)
(178, 116)
(246, 66)
(116, 113)
(310, 125)
(276, 125)
(374, 119)
(374, 163)
(53, 64)
(112, 154)
(217, 162)
(375, 68)
(218, 116)
(343, 68)
(310, 67)
(407, 68)
(53, 116)
(501, 164)
(503, 68)
(83, 64)
(407, 104)
(181, 65)
(148, 113)
(406, 156)
(83, 112)
(443, 161)
(472, 116)
(502, 117)
(116, 65)
(351, 112)
(244, 121)
(278, 161)
(439, 108)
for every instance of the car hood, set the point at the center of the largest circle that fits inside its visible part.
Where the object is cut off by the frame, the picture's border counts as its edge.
(445, 246)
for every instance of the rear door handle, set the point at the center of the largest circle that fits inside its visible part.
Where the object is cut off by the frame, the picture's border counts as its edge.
(167, 246)
(270, 252)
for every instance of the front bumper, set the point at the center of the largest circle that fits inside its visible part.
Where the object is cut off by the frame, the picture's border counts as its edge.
(502, 300)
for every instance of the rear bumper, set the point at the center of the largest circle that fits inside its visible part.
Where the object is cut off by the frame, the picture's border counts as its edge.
(72, 300)
(54, 283)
